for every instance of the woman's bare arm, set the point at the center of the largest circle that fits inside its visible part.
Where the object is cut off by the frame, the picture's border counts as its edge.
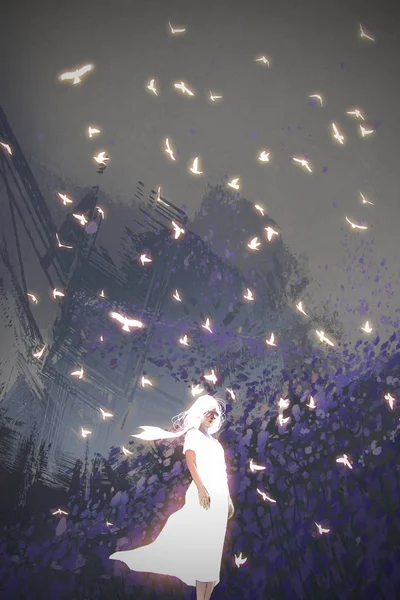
(191, 463)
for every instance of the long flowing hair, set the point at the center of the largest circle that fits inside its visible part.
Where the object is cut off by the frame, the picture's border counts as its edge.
(188, 419)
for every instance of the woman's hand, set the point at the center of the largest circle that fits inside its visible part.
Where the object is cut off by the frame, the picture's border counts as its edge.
(204, 498)
(231, 510)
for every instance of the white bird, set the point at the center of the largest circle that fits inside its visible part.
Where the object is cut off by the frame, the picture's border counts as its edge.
(299, 307)
(212, 377)
(254, 467)
(283, 403)
(283, 420)
(271, 341)
(126, 452)
(78, 374)
(234, 183)
(39, 354)
(59, 512)
(194, 167)
(321, 529)
(101, 211)
(365, 132)
(356, 112)
(260, 209)
(390, 400)
(33, 298)
(367, 327)
(183, 88)
(364, 35)
(184, 340)
(253, 244)
(304, 163)
(323, 337)
(146, 381)
(318, 97)
(207, 325)
(231, 393)
(263, 59)
(81, 218)
(344, 461)
(178, 230)
(152, 87)
(7, 147)
(101, 158)
(177, 296)
(126, 321)
(354, 226)
(57, 293)
(60, 245)
(92, 131)
(312, 404)
(105, 414)
(144, 259)
(108, 524)
(364, 200)
(196, 390)
(101, 338)
(213, 98)
(85, 432)
(65, 199)
(337, 135)
(249, 295)
(76, 75)
(175, 30)
(270, 233)
(265, 497)
(264, 156)
(102, 294)
(239, 560)
(168, 149)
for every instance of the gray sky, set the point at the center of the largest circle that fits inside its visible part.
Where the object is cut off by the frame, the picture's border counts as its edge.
(313, 47)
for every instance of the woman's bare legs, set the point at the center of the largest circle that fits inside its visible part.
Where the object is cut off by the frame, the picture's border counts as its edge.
(204, 589)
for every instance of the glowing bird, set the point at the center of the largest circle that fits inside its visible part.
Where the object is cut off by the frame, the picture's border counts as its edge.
(106, 415)
(102, 295)
(364, 35)
(249, 295)
(101, 211)
(40, 353)
(260, 209)
(101, 158)
(75, 75)
(178, 230)
(212, 377)
(85, 432)
(364, 200)
(231, 393)
(7, 147)
(125, 451)
(196, 390)
(59, 512)
(271, 341)
(344, 460)
(152, 87)
(365, 131)
(213, 98)
(175, 30)
(356, 113)
(264, 156)
(253, 244)
(367, 327)
(270, 233)
(146, 381)
(60, 245)
(283, 403)
(254, 467)
(390, 400)
(57, 293)
(321, 529)
(65, 199)
(126, 321)
(318, 97)
(304, 163)
(299, 307)
(234, 183)
(207, 325)
(239, 560)
(194, 167)
(108, 524)
(323, 338)
(283, 420)
(354, 226)
(93, 131)
(182, 87)
(168, 149)
(33, 298)
(312, 404)
(78, 374)
(101, 338)
(144, 259)
(263, 59)
(81, 218)
(265, 497)
(337, 135)
(177, 296)
(184, 340)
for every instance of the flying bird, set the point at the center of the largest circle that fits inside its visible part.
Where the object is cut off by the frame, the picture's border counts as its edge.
(249, 295)
(263, 59)
(194, 167)
(81, 218)
(283, 420)
(178, 230)
(234, 183)
(78, 374)
(323, 338)
(126, 451)
(146, 381)
(33, 298)
(354, 226)
(151, 86)
(93, 131)
(304, 163)
(254, 467)
(126, 321)
(101, 158)
(239, 560)
(231, 393)
(175, 30)
(196, 389)
(356, 113)
(318, 97)
(363, 199)
(253, 244)
(144, 259)
(264, 156)
(337, 135)
(60, 245)
(65, 199)
(105, 414)
(212, 377)
(76, 75)
(321, 529)
(260, 209)
(7, 147)
(207, 325)
(365, 132)
(59, 512)
(283, 403)
(39, 354)
(85, 432)
(299, 307)
(367, 327)
(184, 340)
(364, 35)
(101, 211)
(183, 88)
(177, 296)
(271, 341)
(270, 233)
(311, 404)
(265, 497)
(168, 149)
(344, 460)
(213, 98)
(57, 293)
(390, 400)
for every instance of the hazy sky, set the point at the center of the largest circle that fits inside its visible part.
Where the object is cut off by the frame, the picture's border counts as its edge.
(313, 47)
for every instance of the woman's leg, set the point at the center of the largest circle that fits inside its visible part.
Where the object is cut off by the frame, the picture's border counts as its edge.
(204, 589)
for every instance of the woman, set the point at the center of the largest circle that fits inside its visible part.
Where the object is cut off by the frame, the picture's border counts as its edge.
(190, 544)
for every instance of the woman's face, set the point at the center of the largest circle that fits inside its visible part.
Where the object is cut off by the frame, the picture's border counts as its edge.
(209, 417)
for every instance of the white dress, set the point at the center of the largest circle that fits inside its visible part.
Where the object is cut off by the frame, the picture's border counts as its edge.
(191, 543)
